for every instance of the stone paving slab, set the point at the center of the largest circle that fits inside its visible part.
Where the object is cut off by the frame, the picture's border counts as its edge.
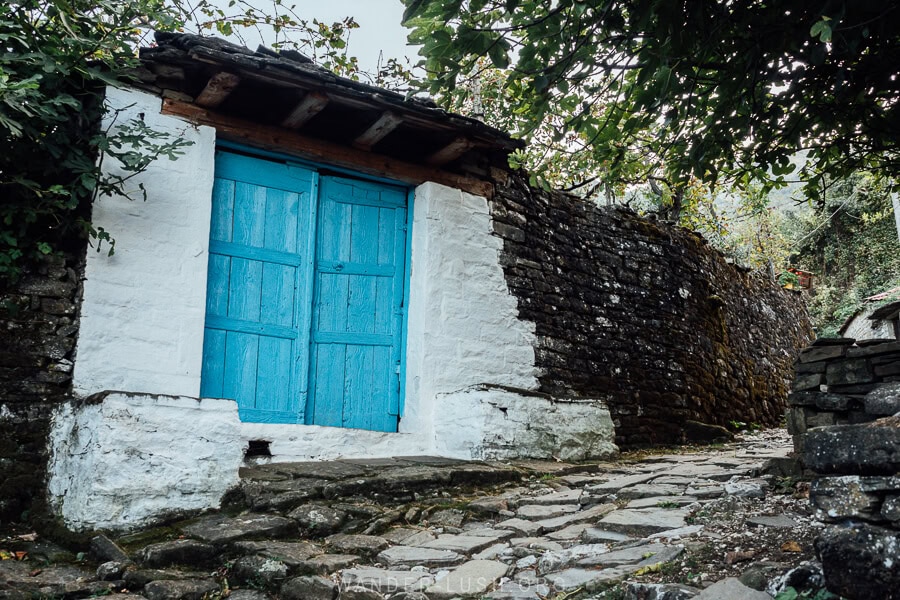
(626, 556)
(491, 552)
(364, 545)
(589, 514)
(470, 580)
(778, 521)
(328, 563)
(219, 529)
(538, 511)
(518, 591)
(589, 579)
(466, 544)
(569, 532)
(290, 553)
(661, 501)
(561, 497)
(643, 521)
(731, 589)
(410, 556)
(521, 526)
(386, 581)
(647, 490)
(617, 483)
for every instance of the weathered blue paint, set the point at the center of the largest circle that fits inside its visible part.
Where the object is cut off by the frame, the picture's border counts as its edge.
(357, 324)
(256, 330)
(306, 295)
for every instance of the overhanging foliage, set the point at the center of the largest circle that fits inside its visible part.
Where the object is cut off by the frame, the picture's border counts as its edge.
(704, 89)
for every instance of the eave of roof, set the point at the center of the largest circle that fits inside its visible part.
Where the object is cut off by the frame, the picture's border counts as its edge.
(288, 90)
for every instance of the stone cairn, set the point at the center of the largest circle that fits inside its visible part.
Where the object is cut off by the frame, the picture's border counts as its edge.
(844, 417)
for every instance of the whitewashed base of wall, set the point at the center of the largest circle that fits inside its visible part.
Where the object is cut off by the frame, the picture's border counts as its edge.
(122, 461)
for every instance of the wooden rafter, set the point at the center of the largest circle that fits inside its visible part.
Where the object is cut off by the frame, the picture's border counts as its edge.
(278, 139)
(451, 151)
(377, 131)
(311, 105)
(217, 89)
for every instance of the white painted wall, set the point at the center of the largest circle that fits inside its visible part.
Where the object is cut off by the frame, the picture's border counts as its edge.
(861, 327)
(496, 424)
(463, 323)
(143, 308)
(129, 460)
(313, 442)
(135, 456)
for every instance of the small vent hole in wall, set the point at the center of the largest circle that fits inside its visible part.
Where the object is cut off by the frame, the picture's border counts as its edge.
(257, 451)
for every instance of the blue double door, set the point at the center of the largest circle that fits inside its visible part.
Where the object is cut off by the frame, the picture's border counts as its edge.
(305, 295)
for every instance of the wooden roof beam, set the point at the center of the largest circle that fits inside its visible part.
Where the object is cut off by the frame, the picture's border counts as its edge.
(217, 89)
(279, 139)
(450, 152)
(377, 131)
(312, 104)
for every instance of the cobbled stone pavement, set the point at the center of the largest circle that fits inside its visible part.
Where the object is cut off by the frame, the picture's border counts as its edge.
(722, 522)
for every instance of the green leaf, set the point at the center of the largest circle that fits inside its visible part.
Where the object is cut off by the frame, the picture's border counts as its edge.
(498, 56)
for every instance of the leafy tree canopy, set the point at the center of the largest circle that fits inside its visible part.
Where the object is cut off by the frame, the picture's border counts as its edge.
(685, 91)
(56, 57)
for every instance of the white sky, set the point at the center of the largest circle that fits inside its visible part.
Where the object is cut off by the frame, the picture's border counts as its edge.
(379, 26)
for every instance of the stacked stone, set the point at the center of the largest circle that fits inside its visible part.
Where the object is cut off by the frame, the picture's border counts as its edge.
(646, 316)
(38, 330)
(837, 417)
(842, 382)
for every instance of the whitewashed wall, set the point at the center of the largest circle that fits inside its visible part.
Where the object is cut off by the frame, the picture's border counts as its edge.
(861, 327)
(463, 324)
(143, 308)
(130, 460)
(133, 456)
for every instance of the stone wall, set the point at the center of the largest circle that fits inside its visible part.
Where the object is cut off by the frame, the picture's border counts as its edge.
(845, 417)
(38, 330)
(645, 316)
(841, 383)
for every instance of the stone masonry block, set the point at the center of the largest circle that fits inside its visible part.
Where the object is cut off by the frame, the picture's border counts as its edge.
(849, 372)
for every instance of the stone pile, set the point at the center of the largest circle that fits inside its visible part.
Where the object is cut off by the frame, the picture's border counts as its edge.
(312, 531)
(845, 417)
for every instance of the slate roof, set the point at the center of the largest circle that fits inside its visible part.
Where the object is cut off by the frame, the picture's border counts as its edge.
(286, 89)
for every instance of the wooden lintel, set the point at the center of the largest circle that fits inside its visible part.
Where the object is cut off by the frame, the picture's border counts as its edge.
(377, 131)
(451, 151)
(276, 139)
(311, 105)
(217, 89)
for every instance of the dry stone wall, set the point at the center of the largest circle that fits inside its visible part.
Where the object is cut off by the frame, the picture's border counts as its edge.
(845, 419)
(38, 330)
(646, 316)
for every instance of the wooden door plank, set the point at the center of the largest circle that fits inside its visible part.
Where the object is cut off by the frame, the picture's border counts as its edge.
(273, 387)
(213, 369)
(360, 406)
(330, 360)
(222, 210)
(277, 297)
(305, 285)
(241, 356)
(280, 218)
(217, 285)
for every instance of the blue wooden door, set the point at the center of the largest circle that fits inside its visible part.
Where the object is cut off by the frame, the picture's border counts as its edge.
(355, 360)
(255, 347)
(305, 295)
